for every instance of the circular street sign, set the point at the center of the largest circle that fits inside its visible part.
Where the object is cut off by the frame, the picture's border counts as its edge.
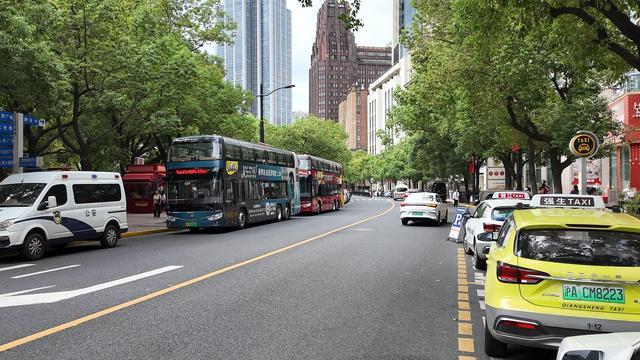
(585, 144)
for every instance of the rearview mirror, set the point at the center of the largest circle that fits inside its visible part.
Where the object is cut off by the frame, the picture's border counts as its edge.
(487, 236)
(52, 202)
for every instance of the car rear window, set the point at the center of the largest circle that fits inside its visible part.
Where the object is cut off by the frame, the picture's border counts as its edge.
(501, 214)
(583, 247)
(421, 198)
(401, 189)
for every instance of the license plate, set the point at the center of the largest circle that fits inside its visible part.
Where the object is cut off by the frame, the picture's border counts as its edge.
(606, 294)
(191, 224)
(417, 213)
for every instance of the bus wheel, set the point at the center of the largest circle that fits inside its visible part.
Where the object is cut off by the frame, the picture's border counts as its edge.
(242, 219)
(319, 209)
(34, 246)
(279, 213)
(287, 212)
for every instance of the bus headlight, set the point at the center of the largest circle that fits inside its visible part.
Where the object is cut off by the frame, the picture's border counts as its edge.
(214, 217)
(171, 218)
(6, 224)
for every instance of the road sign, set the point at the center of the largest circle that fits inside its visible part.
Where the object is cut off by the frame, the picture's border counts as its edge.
(6, 164)
(31, 162)
(6, 141)
(6, 151)
(585, 144)
(6, 128)
(6, 116)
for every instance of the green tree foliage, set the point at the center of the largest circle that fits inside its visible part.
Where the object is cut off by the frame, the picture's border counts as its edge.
(486, 79)
(311, 136)
(118, 79)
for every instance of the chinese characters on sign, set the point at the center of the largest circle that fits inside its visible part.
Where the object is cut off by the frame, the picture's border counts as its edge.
(567, 201)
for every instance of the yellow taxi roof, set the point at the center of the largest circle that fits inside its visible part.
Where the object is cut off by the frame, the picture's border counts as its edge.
(574, 218)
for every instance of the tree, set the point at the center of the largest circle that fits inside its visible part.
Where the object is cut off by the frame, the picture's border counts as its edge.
(311, 136)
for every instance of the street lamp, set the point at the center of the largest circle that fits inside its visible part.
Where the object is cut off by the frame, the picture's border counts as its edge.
(261, 97)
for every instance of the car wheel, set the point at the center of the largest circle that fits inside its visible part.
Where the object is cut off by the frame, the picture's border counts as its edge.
(34, 246)
(478, 263)
(242, 219)
(465, 247)
(110, 236)
(194, 230)
(404, 221)
(319, 208)
(493, 347)
(438, 221)
(446, 217)
(279, 213)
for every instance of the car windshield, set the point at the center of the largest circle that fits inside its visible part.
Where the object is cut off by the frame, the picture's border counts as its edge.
(501, 214)
(421, 198)
(586, 247)
(194, 151)
(20, 195)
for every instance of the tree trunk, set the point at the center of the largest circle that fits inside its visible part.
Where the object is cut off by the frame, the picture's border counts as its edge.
(519, 165)
(557, 166)
(507, 162)
(531, 157)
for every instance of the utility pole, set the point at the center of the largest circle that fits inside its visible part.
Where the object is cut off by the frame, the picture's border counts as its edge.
(18, 141)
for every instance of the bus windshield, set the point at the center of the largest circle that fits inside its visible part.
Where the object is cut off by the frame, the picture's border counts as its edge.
(201, 193)
(305, 164)
(194, 151)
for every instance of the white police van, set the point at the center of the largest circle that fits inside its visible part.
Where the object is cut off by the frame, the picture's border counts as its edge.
(43, 209)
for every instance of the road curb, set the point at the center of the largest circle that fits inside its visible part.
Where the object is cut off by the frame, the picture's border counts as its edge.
(144, 232)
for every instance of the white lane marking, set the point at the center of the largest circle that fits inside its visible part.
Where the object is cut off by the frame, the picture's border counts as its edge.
(479, 275)
(361, 229)
(16, 267)
(480, 282)
(482, 306)
(484, 320)
(480, 292)
(27, 291)
(44, 271)
(8, 300)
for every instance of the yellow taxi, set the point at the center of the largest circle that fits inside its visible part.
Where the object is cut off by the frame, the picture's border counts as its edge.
(565, 266)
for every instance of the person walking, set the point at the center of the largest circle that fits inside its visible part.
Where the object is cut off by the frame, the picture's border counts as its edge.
(156, 204)
(575, 190)
(456, 196)
(544, 188)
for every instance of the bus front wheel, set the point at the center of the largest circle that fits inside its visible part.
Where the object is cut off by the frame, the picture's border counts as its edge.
(287, 212)
(242, 219)
(279, 213)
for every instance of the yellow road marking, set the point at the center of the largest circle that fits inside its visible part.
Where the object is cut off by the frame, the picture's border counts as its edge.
(466, 357)
(463, 296)
(464, 315)
(465, 329)
(155, 294)
(463, 288)
(463, 305)
(465, 345)
(462, 281)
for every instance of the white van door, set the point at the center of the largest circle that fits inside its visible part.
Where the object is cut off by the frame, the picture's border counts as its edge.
(56, 217)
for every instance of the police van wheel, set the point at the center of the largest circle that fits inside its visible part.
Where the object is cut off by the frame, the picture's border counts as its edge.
(493, 347)
(34, 246)
(242, 219)
(279, 213)
(110, 236)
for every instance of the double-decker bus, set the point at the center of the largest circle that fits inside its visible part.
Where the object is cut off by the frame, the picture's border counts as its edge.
(214, 181)
(320, 184)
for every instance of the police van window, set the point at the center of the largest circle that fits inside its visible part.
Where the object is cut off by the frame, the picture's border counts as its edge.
(59, 191)
(96, 193)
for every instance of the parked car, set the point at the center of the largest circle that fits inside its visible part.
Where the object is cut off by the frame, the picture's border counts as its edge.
(615, 346)
(43, 209)
(423, 207)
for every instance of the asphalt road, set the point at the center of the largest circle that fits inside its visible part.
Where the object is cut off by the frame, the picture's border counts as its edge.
(353, 284)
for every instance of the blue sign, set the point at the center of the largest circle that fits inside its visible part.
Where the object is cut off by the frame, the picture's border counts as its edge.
(6, 152)
(6, 128)
(6, 116)
(28, 162)
(6, 164)
(6, 141)
(30, 120)
(457, 222)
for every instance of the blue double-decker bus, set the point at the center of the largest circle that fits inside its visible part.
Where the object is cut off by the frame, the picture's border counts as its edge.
(215, 181)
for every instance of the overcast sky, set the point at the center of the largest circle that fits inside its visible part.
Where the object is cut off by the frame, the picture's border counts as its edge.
(377, 18)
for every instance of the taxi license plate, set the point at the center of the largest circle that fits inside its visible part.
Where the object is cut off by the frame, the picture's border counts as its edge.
(417, 213)
(606, 294)
(191, 224)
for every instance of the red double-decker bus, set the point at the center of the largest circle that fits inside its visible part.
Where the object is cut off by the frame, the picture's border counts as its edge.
(320, 185)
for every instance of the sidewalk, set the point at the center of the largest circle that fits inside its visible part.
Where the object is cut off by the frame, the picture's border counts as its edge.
(140, 224)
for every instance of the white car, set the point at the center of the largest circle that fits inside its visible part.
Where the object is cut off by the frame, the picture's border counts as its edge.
(423, 206)
(488, 217)
(614, 346)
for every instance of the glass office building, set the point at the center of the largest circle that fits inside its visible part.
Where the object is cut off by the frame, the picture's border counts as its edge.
(246, 62)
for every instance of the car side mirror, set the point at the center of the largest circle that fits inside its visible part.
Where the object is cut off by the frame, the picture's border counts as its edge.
(51, 202)
(487, 236)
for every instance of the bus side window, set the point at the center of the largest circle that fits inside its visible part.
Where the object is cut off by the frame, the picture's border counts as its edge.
(228, 193)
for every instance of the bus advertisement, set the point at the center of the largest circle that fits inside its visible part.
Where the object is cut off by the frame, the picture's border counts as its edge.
(214, 181)
(320, 185)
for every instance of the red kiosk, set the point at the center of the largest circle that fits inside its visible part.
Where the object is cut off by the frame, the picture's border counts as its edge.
(140, 183)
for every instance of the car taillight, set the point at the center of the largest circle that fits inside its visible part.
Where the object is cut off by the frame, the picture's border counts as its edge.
(403, 204)
(491, 227)
(405, 195)
(518, 324)
(432, 205)
(517, 275)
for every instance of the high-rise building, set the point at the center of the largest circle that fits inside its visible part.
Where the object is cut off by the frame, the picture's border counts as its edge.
(337, 64)
(402, 20)
(352, 115)
(246, 63)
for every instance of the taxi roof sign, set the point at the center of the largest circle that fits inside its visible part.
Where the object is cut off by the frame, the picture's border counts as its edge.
(568, 201)
(517, 195)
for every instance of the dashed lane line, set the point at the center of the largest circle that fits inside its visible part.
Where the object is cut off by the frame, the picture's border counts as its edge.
(15, 267)
(44, 271)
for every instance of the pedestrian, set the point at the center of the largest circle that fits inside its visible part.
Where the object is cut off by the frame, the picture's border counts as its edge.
(156, 204)
(528, 190)
(575, 190)
(544, 188)
(163, 202)
(456, 196)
